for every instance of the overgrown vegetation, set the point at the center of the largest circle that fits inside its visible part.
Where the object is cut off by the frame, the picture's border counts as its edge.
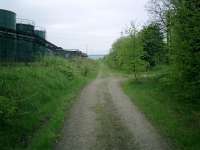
(177, 122)
(34, 98)
(171, 41)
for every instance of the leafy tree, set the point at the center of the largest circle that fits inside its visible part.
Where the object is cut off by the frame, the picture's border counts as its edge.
(153, 44)
(162, 12)
(173, 37)
(186, 48)
(135, 49)
(126, 52)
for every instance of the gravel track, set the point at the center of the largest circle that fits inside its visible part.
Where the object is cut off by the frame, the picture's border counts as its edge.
(104, 118)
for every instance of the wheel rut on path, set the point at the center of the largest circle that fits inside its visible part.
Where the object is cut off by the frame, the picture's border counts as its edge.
(104, 118)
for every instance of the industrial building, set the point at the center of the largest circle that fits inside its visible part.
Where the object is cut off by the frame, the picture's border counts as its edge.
(69, 53)
(22, 41)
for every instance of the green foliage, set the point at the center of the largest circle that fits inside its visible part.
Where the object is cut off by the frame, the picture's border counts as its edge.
(177, 122)
(31, 95)
(153, 44)
(126, 54)
(186, 49)
(180, 21)
(173, 39)
(139, 51)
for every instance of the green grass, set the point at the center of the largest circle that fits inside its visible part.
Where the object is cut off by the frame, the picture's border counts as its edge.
(34, 98)
(176, 121)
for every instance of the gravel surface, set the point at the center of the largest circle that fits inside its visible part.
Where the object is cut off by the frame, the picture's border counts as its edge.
(104, 118)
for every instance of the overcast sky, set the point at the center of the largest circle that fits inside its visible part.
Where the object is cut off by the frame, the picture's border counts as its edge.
(95, 24)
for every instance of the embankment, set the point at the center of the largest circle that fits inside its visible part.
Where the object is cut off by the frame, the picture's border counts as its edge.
(34, 98)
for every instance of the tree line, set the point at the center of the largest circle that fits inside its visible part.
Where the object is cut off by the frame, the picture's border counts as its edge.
(171, 39)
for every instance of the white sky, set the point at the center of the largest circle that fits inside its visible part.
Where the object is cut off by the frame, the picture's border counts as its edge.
(95, 24)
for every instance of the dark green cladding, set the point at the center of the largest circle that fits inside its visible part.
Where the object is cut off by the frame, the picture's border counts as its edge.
(40, 33)
(39, 49)
(7, 44)
(25, 47)
(24, 43)
(7, 19)
(25, 28)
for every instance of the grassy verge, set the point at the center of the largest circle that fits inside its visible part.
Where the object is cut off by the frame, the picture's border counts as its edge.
(35, 97)
(176, 121)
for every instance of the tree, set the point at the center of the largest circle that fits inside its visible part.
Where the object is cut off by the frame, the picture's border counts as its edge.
(186, 48)
(162, 12)
(153, 44)
(126, 52)
(134, 52)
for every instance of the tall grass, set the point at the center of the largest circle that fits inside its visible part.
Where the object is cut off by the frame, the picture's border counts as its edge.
(34, 97)
(177, 121)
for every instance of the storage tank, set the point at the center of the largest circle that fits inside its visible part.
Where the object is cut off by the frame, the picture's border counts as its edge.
(7, 43)
(25, 28)
(7, 19)
(40, 49)
(25, 48)
(41, 33)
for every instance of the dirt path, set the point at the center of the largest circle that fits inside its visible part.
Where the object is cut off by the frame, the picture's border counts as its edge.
(105, 119)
